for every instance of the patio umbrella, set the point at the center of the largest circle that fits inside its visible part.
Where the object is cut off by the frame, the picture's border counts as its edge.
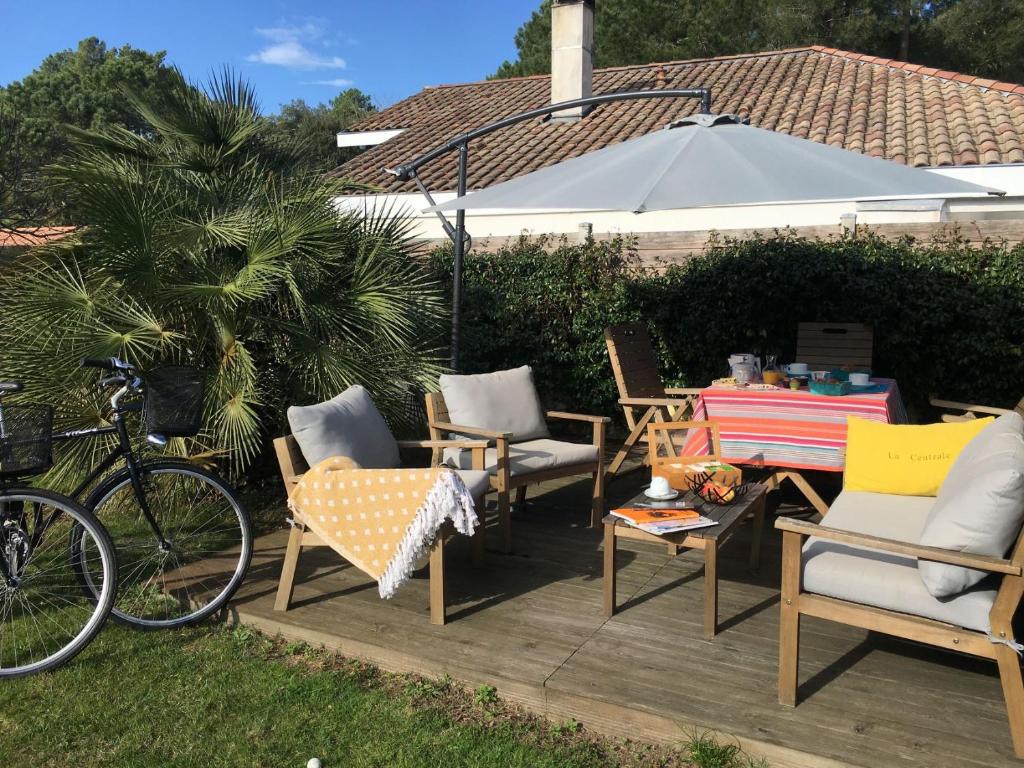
(707, 161)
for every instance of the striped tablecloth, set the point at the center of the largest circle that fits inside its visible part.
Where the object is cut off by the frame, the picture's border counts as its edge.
(786, 428)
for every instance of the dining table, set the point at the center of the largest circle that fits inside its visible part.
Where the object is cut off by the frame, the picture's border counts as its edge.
(790, 431)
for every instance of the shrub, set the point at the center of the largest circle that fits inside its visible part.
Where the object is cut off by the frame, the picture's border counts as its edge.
(948, 318)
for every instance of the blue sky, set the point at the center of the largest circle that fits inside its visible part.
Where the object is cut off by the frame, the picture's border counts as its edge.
(298, 49)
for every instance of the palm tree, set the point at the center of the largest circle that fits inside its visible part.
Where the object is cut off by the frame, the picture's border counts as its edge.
(205, 245)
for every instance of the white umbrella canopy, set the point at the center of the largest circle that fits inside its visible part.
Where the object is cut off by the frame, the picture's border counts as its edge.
(708, 161)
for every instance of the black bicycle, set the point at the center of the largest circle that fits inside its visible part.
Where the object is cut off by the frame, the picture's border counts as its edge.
(183, 538)
(48, 543)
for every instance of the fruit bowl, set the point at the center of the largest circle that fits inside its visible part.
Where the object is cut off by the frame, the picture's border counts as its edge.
(708, 489)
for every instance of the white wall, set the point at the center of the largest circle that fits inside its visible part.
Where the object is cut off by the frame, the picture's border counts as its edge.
(509, 223)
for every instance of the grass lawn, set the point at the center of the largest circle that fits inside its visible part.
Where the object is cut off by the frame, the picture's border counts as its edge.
(216, 697)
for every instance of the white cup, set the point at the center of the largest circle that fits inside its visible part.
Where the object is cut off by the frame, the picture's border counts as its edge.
(821, 375)
(860, 379)
(800, 368)
(660, 486)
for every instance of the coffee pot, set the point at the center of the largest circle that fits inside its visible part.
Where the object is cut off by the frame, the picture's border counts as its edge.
(744, 367)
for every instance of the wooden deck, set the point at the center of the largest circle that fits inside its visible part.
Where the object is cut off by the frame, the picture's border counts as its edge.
(531, 625)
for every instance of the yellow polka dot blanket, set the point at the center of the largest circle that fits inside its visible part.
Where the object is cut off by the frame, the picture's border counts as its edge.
(381, 520)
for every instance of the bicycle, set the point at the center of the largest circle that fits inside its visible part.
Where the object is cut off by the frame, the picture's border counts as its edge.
(47, 543)
(183, 538)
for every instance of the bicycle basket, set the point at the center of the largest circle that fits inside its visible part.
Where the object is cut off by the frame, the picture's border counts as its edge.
(174, 401)
(25, 439)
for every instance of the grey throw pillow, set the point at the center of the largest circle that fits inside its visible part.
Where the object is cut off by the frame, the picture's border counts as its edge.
(347, 425)
(980, 505)
(504, 401)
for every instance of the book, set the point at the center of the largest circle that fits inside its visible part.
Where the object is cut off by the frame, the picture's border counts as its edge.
(639, 515)
(675, 526)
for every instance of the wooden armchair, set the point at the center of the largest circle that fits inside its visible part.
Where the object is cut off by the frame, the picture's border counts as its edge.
(293, 466)
(642, 395)
(967, 411)
(516, 465)
(990, 636)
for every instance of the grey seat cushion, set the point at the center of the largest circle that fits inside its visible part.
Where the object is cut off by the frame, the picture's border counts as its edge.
(347, 425)
(477, 481)
(980, 505)
(528, 457)
(883, 579)
(503, 401)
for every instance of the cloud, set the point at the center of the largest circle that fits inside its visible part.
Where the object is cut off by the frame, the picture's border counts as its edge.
(283, 33)
(337, 82)
(288, 48)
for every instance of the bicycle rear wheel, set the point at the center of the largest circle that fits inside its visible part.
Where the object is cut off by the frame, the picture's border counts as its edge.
(46, 542)
(209, 544)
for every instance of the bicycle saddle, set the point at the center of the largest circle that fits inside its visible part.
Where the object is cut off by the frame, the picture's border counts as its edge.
(7, 387)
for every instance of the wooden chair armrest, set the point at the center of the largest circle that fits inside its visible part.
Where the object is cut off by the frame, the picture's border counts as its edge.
(687, 391)
(578, 417)
(950, 405)
(443, 443)
(444, 426)
(936, 554)
(662, 401)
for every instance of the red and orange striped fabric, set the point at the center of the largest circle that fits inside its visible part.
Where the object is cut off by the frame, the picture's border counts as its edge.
(786, 428)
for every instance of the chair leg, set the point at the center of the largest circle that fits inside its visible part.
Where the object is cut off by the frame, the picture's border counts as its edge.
(480, 535)
(789, 619)
(757, 534)
(505, 521)
(286, 584)
(597, 501)
(1013, 693)
(631, 440)
(437, 586)
(520, 498)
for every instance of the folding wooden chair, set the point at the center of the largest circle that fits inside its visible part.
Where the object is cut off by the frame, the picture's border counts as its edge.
(824, 346)
(642, 395)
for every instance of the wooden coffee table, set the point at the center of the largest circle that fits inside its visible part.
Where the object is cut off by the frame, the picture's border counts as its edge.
(752, 504)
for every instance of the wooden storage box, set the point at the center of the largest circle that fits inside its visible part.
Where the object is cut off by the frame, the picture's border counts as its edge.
(671, 447)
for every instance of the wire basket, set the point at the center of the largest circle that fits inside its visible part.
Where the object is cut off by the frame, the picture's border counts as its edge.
(174, 401)
(25, 439)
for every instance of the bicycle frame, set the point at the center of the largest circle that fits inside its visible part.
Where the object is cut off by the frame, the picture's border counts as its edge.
(122, 451)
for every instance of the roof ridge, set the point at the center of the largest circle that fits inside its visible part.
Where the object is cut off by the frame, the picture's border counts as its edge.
(921, 69)
(622, 67)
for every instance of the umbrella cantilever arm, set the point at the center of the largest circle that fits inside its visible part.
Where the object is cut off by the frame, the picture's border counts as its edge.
(460, 143)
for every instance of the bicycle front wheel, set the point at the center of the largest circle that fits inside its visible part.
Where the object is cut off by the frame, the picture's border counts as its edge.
(205, 553)
(46, 542)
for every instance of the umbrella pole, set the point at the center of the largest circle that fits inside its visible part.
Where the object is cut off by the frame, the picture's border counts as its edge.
(459, 252)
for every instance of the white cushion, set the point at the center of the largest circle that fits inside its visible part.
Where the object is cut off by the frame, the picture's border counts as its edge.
(883, 579)
(504, 401)
(476, 480)
(980, 505)
(528, 457)
(348, 425)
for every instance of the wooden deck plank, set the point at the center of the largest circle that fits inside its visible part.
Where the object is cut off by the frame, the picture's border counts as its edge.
(531, 624)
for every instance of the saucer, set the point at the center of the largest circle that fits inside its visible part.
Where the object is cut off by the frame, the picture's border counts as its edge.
(660, 497)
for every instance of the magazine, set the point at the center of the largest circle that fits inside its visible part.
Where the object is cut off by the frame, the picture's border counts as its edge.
(662, 521)
(641, 514)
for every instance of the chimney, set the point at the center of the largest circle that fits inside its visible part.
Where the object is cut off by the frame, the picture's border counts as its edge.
(572, 54)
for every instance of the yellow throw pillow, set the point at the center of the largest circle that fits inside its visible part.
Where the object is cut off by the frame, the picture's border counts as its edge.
(904, 459)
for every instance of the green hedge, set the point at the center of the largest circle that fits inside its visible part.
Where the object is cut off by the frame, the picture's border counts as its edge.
(948, 318)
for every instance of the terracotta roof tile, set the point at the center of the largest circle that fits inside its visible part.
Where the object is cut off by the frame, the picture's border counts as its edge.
(32, 236)
(907, 113)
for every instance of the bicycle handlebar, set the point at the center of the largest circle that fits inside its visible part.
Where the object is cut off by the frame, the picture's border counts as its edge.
(105, 363)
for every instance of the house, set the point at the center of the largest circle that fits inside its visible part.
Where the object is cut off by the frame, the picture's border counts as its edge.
(945, 122)
(14, 242)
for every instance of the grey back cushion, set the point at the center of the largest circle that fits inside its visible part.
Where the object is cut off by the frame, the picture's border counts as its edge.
(980, 505)
(504, 401)
(347, 425)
